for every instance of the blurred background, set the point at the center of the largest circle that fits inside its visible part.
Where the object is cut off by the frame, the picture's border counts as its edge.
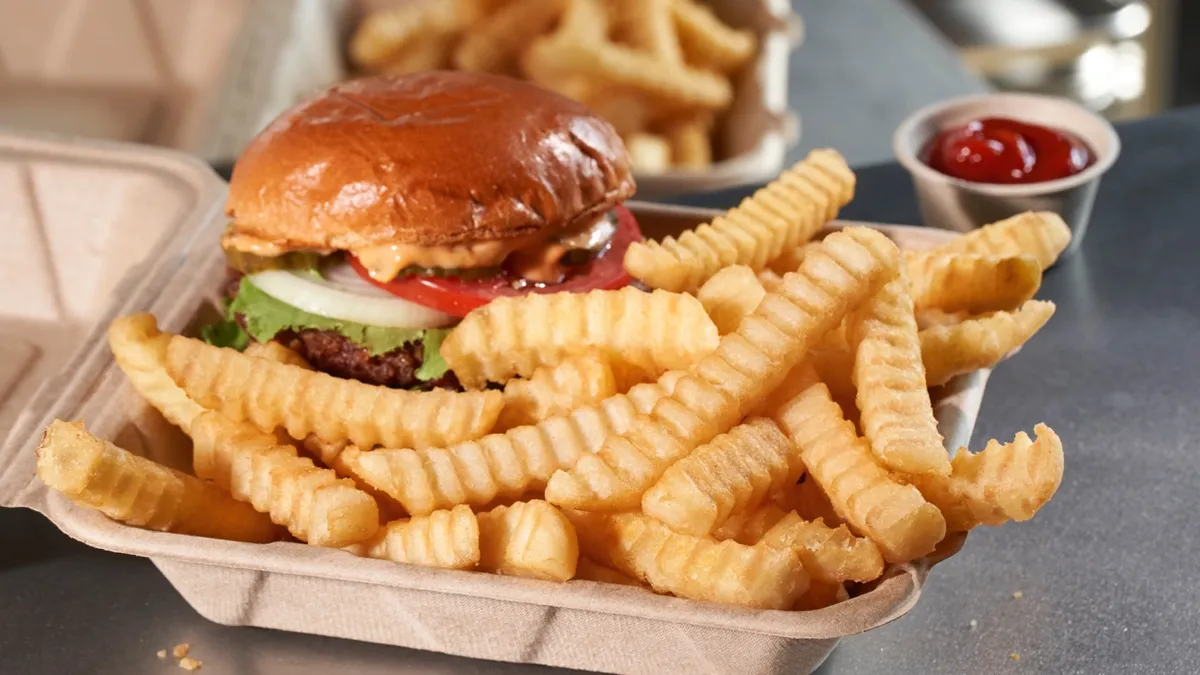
(205, 76)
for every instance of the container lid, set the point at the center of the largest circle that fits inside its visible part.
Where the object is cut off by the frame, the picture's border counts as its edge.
(78, 216)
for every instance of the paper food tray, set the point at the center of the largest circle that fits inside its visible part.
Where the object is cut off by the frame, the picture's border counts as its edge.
(85, 213)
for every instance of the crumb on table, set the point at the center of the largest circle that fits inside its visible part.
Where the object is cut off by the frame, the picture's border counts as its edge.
(974, 624)
(181, 650)
(1015, 656)
(162, 653)
(188, 663)
(1017, 595)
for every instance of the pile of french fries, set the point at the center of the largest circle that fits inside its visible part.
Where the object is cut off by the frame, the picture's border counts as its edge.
(659, 70)
(758, 430)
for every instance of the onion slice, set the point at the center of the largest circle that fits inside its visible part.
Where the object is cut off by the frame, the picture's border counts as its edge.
(340, 293)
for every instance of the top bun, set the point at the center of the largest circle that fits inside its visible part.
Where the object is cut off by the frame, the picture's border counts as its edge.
(428, 159)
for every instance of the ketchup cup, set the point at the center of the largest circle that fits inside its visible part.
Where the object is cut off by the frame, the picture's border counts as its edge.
(954, 204)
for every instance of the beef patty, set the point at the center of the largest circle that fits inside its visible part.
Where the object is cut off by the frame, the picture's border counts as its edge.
(331, 352)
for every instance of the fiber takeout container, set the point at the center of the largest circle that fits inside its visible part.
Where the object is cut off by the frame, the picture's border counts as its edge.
(86, 213)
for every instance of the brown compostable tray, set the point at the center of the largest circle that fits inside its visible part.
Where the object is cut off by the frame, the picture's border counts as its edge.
(88, 213)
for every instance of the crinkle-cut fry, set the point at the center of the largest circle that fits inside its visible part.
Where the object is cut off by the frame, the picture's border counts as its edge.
(616, 65)
(748, 527)
(1002, 482)
(313, 503)
(708, 41)
(820, 595)
(269, 395)
(931, 318)
(528, 539)
(789, 260)
(590, 570)
(770, 280)
(973, 283)
(648, 153)
(448, 539)
(336, 456)
(134, 490)
(829, 554)
(506, 465)
(731, 295)
(894, 516)
(495, 45)
(385, 33)
(726, 385)
(778, 217)
(422, 54)
(691, 567)
(654, 332)
(1042, 235)
(978, 343)
(691, 143)
(556, 390)
(808, 499)
(648, 25)
(273, 351)
(734, 472)
(896, 413)
(141, 352)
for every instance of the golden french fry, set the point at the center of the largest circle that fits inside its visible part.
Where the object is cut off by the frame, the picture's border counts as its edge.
(769, 280)
(829, 555)
(748, 527)
(727, 384)
(273, 351)
(1041, 235)
(731, 295)
(494, 45)
(528, 539)
(502, 465)
(628, 112)
(647, 25)
(589, 570)
(556, 390)
(979, 343)
(691, 145)
(616, 65)
(313, 503)
(448, 539)
(421, 55)
(654, 332)
(584, 22)
(930, 318)
(808, 499)
(691, 567)
(250, 464)
(894, 516)
(734, 472)
(778, 217)
(141, 352)
(269, 395)
(385, 33)
(893, 400)
(648, 153)
(134, 490)
(973, 283)
(1002, 482)
(820, 595)
(789, 260)
(707, 41)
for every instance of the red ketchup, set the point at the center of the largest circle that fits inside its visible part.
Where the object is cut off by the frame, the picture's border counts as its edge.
(1005, 151)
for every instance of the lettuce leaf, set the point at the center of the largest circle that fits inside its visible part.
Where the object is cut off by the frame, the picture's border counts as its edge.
(225, 333)
(265, 317)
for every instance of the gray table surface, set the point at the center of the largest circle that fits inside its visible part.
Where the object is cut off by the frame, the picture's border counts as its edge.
(1107, 570)
(863, 67)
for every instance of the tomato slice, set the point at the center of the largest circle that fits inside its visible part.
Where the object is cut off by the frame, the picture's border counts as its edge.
(456, 296)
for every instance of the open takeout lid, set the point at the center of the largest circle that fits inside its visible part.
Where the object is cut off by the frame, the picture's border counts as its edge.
(86, 223)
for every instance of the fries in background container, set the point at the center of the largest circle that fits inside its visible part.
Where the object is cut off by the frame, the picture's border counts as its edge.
(695, 87)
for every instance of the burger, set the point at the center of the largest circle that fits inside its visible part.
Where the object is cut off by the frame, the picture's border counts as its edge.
(366, 222)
